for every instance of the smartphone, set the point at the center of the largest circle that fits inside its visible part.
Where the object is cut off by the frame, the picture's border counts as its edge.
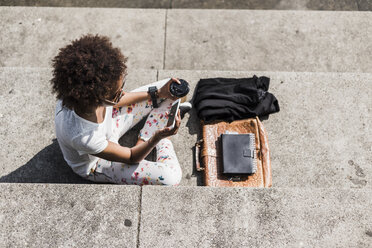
(172, 114)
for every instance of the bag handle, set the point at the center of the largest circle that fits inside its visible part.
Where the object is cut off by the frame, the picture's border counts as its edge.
(197, 155)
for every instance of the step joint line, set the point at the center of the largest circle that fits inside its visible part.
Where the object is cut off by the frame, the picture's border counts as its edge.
(165, 37)
(139, 218)
(358, 5)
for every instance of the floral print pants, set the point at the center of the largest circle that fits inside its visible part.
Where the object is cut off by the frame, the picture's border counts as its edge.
(165, 171)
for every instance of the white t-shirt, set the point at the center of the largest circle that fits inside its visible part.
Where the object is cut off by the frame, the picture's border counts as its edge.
(79, 138)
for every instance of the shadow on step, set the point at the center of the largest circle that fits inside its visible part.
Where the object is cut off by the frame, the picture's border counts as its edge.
(47, 166)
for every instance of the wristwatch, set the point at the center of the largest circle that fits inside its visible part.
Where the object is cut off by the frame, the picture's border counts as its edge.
(153, 91)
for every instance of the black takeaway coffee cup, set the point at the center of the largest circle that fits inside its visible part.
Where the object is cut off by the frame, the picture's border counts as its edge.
(179, 90)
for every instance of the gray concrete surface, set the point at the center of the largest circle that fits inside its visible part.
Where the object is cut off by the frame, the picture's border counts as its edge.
(365, 5)
(90, 3)
(268, 40)
(212, 39)
(54, 215)
(33, 36)
(241, 217)
(320, 141)
(30, 152)
(320, 138)
(203, 4)
(268, 4)
(62, 215)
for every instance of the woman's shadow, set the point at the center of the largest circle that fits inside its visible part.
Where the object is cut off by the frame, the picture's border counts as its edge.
(47, 166)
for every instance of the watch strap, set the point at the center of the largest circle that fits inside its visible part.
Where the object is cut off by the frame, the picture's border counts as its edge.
(153, 93)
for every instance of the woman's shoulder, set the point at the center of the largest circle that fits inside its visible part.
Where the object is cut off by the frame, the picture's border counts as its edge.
(69, 124)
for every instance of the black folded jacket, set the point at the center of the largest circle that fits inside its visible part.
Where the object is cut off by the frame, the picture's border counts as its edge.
(232, 99)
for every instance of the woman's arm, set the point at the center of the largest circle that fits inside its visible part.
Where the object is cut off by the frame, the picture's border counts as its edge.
(134, 97)
(117, 153)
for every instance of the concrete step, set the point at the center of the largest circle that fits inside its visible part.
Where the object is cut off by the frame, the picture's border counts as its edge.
(202, 4)
(52, 215)
(62, 215)
(241, 217)
(261, 40)
(31, 36)
(321, 138)
(322, 135)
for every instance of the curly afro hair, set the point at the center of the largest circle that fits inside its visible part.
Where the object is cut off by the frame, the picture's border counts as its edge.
(87, 71)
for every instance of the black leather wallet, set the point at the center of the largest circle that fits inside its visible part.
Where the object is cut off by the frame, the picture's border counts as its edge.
(239, 154)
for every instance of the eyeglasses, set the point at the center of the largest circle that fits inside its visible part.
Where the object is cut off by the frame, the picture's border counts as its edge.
(117, 96)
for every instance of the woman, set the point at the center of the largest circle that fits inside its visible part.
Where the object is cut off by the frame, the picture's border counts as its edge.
(93, 112)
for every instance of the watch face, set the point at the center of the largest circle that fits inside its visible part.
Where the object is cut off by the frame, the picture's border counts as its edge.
(152, 89)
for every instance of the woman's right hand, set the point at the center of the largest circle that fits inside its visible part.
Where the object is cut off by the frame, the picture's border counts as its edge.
(167, 131)
(164, 91)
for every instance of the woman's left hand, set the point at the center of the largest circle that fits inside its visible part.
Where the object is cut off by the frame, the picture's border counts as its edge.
(164, 92)
(167, 131)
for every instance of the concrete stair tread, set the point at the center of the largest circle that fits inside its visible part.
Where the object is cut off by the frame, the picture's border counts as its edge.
(212, 39)
(204, 4)
(319, 139)
(31, 36)
(321, 135)
(65, 215)
(60, 215)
